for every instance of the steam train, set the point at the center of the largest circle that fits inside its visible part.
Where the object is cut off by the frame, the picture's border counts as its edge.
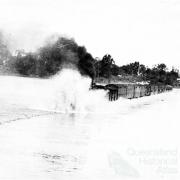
(130, 91)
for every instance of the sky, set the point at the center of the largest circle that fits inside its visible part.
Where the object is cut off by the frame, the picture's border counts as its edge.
(147, 31)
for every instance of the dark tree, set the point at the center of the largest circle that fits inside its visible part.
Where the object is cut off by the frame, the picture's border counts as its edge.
(26, 65)
(106, 66)
(142, 69)
(131, 69)
(161, 67)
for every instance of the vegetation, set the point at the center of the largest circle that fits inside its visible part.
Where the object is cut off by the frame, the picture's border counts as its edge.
(51, 58)
(159, 74)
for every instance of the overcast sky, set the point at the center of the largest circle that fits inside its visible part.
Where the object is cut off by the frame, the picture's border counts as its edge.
(130, 30)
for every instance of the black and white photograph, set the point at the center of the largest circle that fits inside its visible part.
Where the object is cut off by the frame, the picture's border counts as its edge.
(89, 89)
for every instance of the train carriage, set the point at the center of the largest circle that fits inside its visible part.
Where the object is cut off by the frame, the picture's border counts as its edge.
(122, 91)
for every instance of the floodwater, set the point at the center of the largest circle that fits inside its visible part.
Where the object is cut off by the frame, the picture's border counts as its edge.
(126, 139)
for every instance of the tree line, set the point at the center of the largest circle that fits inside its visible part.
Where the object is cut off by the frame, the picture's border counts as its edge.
(52, 57)
(159, 74)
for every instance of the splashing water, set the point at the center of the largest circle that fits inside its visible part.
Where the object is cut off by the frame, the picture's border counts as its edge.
(99, 142)
(66, 92)
(72, 92)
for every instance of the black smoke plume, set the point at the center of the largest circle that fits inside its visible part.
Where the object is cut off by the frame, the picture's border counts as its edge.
(53, 57)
